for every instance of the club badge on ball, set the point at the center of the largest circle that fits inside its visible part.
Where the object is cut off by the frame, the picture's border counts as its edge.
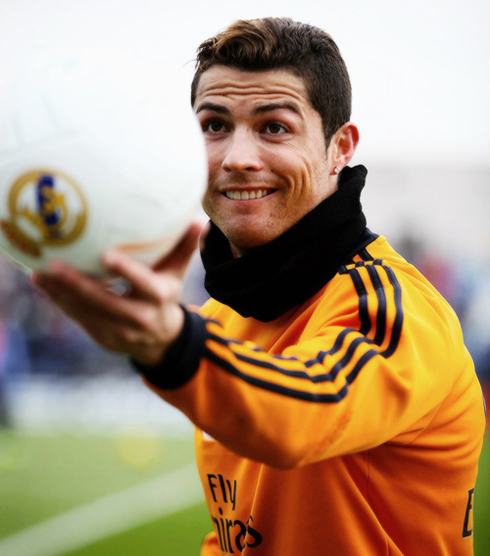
(46, 208)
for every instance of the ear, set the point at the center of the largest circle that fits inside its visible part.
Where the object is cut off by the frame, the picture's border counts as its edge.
(343, 146)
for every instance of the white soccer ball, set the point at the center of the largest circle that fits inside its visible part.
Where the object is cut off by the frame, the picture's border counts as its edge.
(97, 150)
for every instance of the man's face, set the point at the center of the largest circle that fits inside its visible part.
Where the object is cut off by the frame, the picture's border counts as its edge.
(268, 163)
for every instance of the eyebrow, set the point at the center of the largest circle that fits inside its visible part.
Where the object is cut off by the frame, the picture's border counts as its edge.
(213, 108)
(277, 106)
(263, 108)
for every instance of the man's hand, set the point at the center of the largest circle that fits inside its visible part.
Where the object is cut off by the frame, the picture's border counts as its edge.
(143, 322)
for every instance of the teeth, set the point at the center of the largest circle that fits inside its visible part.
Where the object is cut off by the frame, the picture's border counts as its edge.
(246, 195)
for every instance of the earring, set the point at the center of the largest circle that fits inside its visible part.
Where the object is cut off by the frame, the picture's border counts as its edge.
(337, 169)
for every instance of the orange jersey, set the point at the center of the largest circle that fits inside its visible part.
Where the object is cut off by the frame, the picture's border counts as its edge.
(350, 425)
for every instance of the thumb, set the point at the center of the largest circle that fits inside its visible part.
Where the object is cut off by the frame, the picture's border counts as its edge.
(177, 260)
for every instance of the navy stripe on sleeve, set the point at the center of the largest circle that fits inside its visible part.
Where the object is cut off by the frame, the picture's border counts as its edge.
(373, 268)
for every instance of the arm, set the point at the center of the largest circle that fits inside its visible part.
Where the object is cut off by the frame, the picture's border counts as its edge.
(369, 367)
(366, 369)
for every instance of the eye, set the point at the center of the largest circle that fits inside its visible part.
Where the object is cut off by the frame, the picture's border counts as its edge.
(275, 128)
(213, 126)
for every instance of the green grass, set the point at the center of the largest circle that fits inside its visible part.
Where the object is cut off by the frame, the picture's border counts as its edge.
(481, 518)
(177, 535)
(42, 476)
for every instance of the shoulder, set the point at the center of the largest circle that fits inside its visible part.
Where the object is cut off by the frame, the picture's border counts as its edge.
(387, 284)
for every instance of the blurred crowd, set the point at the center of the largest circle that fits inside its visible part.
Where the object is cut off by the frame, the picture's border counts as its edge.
(466, 287)
(37, 340)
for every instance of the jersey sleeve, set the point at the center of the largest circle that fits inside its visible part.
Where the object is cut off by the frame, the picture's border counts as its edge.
(210, 546)
(372, 361)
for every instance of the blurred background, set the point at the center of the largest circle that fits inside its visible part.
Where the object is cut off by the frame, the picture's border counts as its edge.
(93, 463)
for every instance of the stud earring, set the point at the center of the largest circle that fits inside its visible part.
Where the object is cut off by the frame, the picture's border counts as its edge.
(337, 169)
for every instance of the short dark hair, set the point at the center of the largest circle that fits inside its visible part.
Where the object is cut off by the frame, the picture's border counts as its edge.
(281, 43)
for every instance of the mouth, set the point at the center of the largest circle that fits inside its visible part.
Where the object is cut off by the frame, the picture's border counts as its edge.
(241, 195)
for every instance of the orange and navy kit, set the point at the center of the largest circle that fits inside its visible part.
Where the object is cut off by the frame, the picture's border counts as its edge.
(351, 424)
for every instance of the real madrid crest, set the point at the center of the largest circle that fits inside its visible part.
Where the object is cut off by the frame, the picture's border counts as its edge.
(46, 208)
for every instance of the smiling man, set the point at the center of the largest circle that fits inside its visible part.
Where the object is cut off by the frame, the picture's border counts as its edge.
(266, 144)
(337, 410)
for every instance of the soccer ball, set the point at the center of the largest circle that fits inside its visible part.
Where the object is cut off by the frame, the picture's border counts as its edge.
(97, 150)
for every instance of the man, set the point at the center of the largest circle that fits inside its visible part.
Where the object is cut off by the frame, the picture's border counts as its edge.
(336, 408)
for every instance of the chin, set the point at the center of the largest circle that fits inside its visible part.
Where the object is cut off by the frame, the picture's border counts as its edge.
(243, 244)
(250, 234)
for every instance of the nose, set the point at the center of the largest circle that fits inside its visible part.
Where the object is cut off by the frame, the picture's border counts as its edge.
(242, 153)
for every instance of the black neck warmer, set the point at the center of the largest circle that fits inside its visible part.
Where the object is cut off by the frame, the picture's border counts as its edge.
(271, 279)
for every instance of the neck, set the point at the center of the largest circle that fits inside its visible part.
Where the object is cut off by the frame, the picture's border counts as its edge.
(236, 251)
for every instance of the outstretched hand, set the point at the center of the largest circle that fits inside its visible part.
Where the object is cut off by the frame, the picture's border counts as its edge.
(141, 323)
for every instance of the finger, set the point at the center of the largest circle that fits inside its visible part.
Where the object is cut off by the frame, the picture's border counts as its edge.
(178, 259)
(110, 332)
(81, 296)
(163, 282)
(145, 282)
